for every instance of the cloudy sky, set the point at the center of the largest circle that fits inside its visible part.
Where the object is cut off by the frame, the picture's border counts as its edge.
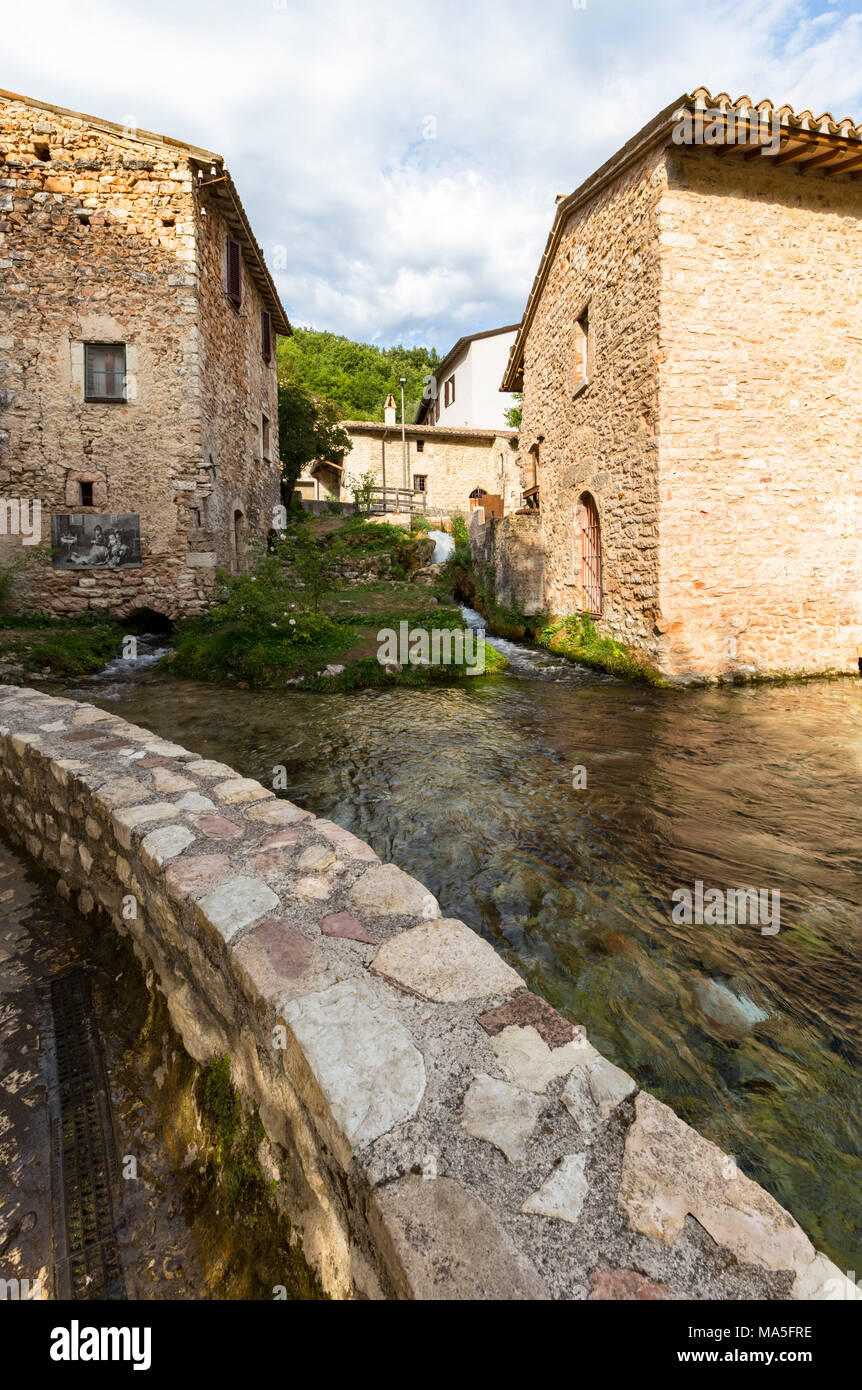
(401, 161)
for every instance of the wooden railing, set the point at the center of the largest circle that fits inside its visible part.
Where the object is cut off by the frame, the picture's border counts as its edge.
(397, 499)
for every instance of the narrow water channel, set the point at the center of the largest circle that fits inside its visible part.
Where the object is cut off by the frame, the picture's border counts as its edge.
(753, 1038)
(90, 1206)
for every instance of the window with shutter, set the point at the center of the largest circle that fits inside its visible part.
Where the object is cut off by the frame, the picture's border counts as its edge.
(234, 271)
(266, 334)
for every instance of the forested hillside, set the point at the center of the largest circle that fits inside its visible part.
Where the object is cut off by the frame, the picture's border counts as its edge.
(355, 376)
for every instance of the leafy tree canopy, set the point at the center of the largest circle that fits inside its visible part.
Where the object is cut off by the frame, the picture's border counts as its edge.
(355, 377)
(308, 429)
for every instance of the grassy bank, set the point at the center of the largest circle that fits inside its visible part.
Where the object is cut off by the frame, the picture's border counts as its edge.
(40, 645)
(578, 640)
(309, 613)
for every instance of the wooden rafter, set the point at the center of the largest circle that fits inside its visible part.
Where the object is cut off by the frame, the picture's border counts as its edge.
(824, 158)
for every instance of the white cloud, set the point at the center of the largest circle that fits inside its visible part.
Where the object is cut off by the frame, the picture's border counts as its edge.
(319, 110)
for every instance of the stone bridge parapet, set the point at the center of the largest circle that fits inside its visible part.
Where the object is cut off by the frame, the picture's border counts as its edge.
(440, 1131)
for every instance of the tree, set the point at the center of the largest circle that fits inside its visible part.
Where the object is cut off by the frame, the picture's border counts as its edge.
(308, 429)
(513, 416)
(356, 376)
(363, 489)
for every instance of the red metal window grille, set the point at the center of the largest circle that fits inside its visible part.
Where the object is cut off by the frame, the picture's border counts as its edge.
(591, 558)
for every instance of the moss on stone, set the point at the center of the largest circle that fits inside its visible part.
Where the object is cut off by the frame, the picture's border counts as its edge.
(577, 639)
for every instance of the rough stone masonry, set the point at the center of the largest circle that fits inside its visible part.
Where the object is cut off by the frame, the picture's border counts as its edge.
(116, 239)
(436, 1130)
(690, 364)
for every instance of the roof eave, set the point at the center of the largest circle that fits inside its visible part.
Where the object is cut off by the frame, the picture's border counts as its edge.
(803, 127)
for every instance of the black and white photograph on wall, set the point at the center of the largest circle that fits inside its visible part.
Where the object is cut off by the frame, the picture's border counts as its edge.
(89, 542)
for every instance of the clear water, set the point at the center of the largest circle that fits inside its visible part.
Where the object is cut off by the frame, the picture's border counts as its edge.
(753, 1039)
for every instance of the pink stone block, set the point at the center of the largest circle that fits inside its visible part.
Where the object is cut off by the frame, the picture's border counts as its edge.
(273, 955)
(186, 875)
(278, 838)
(218, 827)
(346, 840)
(346, 925)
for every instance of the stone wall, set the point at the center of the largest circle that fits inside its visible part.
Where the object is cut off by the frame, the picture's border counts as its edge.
(761, 418)
(237, 389)
(454, 462)
(441, 1132)
(101, 241)
(513, 550)
(601, 438)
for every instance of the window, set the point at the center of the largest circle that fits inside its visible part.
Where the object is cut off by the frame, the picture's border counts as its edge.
(86, 494)
(265, 437)
(587, 518)
(420, 445)
(104, 372)
(582, 351)
(420, 482)
(449, 391)
(533, 467)
(234, 272)
(266, 335)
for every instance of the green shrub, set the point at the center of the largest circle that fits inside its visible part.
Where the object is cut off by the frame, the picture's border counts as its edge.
(256, 631)
(370, 536)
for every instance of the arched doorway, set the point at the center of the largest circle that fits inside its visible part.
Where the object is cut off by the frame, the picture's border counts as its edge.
(587, 522)
(475, 498)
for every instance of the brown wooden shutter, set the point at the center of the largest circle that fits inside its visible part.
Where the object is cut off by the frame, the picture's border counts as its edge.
(266, 334)
(234, 271)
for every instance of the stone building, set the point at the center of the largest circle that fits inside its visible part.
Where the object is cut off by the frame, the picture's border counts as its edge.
(448, 469)
(137, 365)
(692, 377)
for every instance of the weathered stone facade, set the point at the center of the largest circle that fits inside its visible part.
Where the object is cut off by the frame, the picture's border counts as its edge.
(114, 236)
(511, 552)
(690, 363)
(433, 1128)
(454, 462)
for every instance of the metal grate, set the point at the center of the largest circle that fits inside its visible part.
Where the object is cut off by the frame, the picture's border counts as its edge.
(591, 558)
(84, 1161)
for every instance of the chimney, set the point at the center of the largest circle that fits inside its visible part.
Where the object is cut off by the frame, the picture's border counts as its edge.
(389, 410)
